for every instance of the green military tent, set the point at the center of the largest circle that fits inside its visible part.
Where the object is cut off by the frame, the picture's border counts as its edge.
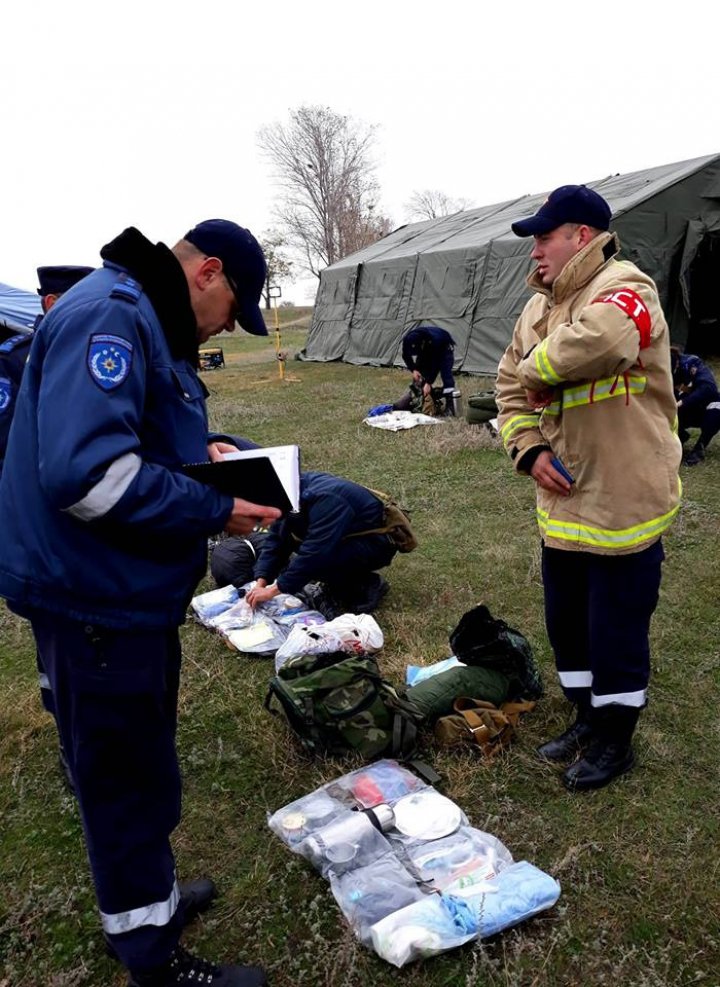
(466, 272)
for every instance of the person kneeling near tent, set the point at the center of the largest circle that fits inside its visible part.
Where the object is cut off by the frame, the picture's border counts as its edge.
(336, 538)
(698, 402)
(427, 352)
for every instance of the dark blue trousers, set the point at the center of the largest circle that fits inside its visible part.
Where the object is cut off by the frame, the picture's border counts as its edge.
(115, 697)
(597, 614)
(354, 558)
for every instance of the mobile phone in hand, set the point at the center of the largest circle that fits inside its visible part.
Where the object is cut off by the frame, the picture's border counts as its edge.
(562, 470)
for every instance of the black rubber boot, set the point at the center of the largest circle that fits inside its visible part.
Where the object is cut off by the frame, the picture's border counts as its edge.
(195, 897)
(609, 755)
(185, 970)
(696, 454)
(573, 740)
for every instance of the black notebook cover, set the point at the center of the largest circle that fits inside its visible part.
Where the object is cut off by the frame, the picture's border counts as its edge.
(251, 479)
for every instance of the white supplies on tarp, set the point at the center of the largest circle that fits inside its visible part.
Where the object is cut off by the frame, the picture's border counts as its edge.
(397, 421)
(410, 874)
(353, 633)
(261, 630)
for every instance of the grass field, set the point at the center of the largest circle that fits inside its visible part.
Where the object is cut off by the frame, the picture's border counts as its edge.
(638, 861)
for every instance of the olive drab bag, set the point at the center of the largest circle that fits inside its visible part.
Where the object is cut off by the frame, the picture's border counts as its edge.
(479, 723)
(337, 703)
(396, 523)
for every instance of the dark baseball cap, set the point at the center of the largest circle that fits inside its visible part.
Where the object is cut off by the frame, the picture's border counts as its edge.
(567, 204)
(56, 280)
(243, 264)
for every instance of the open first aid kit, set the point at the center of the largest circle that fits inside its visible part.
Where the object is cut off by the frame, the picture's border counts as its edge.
(410, 874)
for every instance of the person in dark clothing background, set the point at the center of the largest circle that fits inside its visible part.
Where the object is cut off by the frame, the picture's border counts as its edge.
(324, 541)
(698, 401)
(14, 347)
(428, 351)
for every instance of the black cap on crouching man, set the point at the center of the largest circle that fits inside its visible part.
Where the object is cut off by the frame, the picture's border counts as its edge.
(243, 265)
(57, 280)
(567, 204)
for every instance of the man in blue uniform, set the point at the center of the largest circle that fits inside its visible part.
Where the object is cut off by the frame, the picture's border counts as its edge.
(14, 348)
(330, 539)
(428, 351)
(698, 402)
(110, 409)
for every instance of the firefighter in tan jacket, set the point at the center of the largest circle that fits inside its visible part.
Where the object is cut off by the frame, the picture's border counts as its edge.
(587, 410)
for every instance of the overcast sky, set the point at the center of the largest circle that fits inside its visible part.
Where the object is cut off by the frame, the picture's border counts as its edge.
(146, 114)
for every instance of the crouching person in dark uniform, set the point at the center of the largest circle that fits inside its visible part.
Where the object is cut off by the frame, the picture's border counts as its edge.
(428, 351)
(698, 402)
(110, 409)
(331, 539)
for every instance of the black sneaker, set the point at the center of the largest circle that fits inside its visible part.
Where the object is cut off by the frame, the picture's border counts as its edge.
(568, 744)
(602, 763)
(195, 897)
(185, 970)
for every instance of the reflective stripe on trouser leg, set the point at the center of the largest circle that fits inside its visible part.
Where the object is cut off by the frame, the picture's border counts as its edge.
(566, 619)
(115, 696)
(46, 693)
(623, 594)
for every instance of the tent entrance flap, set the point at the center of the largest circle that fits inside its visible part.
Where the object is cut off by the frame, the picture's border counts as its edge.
(702, 282)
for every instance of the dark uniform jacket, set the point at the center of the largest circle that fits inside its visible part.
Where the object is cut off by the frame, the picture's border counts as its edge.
(98, 523)
(423, 349)
(13, 356)
(694, 383)
(331, 508)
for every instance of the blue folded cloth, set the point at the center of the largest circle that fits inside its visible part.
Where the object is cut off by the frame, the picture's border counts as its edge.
(380, 409)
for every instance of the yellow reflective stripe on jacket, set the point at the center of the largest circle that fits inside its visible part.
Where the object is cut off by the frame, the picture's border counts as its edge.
(517, 422)
(543, 366)
(604, 537)
(606, 387)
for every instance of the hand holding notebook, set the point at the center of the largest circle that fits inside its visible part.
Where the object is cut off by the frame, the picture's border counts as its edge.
(263, 476)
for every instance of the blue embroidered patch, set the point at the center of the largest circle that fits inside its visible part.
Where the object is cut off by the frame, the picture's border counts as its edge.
(5, 393)
(109, 360)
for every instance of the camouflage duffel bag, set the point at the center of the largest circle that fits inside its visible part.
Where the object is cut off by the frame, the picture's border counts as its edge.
(337, 703)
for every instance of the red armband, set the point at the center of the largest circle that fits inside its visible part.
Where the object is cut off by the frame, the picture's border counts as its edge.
(633, 306)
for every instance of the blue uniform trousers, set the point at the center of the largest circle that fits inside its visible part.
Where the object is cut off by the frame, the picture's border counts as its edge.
(597, 614)
(115, 697)
(353, 558)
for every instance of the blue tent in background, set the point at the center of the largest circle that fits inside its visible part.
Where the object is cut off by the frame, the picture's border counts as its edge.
(18, 308)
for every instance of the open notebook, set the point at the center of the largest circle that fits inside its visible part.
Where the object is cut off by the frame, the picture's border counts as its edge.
(270, 476)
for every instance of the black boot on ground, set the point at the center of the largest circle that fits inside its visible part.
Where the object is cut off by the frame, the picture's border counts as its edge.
(609, 755)
(195, 898)
(573, 740)
(185, 970)
(696, 455)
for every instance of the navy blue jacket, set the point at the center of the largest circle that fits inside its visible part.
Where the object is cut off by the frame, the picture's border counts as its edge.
(13, 356)
(97, 521)
(330, 509)
(423, 349)
(694, 383)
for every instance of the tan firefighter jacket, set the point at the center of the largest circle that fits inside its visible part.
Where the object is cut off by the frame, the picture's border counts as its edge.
(599, 339)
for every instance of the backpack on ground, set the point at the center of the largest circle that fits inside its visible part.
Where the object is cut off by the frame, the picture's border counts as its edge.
(337, 703)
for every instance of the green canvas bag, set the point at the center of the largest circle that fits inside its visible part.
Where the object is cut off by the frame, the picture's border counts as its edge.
(338, 703)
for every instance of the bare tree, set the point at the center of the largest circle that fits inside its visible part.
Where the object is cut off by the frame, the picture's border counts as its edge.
(432, 204)
(278, 265)
(324, 166)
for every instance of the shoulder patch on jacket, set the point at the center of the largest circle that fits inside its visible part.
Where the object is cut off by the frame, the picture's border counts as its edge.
(5, 392)
(632, 305)
(109, 359)
(127, 288)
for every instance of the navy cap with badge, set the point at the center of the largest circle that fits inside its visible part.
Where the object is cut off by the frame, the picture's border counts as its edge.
(567, 204)
(243, 265)
(56, 280)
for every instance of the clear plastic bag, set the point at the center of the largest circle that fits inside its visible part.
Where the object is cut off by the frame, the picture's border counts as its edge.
(208, 606)
(423, 928)
(347, 842)
(370, 893)
(466, 859)
(385, 781)
(294, 822)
